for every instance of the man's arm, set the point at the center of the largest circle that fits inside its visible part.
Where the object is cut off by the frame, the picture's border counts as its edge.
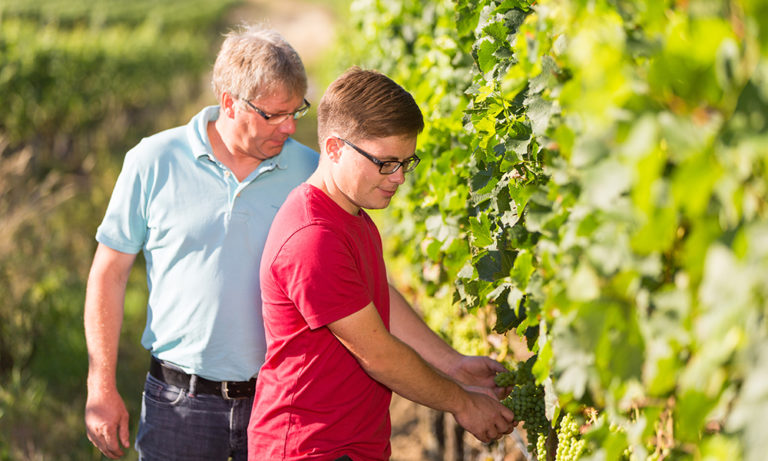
(106, 418)
(408, 326)
(396, 365)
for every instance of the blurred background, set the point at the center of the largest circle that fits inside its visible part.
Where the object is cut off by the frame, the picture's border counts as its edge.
(80, 83)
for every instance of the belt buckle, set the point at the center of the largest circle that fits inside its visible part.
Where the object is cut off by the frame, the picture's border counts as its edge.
(225, 391)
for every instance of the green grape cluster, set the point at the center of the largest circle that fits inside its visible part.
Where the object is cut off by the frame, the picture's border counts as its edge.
(569, 445)
(526, 400)
(541, 447)
(505, 379)
(523, 373)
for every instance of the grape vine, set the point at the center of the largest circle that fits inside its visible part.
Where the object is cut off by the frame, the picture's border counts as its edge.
(594, 183)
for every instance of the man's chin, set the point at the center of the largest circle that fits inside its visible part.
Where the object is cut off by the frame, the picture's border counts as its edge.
(269, 153)
(380, 205)
(273, 148)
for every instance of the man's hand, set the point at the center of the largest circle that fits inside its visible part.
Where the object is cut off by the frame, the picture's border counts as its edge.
(106, 421)
(485, 418)
(466, 370)
(475, 371)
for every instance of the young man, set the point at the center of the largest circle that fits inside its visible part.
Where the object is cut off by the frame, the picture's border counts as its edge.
(198, 200)
(339, 338)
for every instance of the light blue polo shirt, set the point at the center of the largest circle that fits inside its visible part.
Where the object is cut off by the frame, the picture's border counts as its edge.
(202, 233)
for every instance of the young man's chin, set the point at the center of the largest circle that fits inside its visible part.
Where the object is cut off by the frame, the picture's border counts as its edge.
(385, 203)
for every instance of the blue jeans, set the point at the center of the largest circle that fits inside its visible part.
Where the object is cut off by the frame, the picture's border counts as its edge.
(176, 425)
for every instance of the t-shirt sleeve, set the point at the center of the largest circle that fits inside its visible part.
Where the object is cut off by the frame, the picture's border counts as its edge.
(318, 272)
(124, 227)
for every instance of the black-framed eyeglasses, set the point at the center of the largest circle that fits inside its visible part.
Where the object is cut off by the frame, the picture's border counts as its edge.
(389, 166)
(276, 119)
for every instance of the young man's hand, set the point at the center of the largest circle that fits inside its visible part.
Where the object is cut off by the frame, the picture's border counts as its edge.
(485, 418)
(479, 372)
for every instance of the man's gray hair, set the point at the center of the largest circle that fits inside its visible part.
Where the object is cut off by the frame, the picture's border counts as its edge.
(254, 62)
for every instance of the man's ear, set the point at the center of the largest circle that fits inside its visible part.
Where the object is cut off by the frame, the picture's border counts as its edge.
(333, 147)
(227, 105)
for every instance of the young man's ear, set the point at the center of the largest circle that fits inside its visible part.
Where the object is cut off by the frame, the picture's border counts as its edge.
(333, 147)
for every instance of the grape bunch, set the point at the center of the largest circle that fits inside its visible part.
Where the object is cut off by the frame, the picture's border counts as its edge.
(526, 400)
(522, 374)
(505, 379)
(569, 445)
(541, 447)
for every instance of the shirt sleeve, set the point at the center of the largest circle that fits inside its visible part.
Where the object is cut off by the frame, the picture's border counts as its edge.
(124, 227)
(318, 271)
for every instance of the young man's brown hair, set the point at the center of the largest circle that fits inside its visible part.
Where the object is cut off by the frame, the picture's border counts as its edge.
(363, 104)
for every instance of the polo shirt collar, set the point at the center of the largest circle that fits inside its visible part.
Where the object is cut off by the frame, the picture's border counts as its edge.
(197, 132)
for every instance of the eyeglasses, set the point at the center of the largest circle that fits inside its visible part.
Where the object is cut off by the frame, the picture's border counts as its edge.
(389, 166)
(276, 119)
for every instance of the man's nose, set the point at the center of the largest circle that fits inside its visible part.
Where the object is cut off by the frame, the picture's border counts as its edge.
(398, 177)
(288, 126)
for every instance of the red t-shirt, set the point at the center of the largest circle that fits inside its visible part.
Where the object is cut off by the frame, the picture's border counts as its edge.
(313, 399)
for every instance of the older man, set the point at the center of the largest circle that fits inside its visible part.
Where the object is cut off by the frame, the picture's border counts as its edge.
(198, 200)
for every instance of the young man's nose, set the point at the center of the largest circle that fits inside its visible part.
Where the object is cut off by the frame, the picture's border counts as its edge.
(398, 176)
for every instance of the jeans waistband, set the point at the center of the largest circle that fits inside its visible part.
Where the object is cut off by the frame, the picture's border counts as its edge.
(226, 389)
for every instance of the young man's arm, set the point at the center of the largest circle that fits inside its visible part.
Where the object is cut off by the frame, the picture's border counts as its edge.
(396, 365)
(106, 418)
(406, 324)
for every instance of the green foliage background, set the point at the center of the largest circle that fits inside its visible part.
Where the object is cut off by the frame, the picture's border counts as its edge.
(80, 83)
(594, 183)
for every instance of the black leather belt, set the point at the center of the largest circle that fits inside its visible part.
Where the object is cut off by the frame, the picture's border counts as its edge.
(226, 389)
